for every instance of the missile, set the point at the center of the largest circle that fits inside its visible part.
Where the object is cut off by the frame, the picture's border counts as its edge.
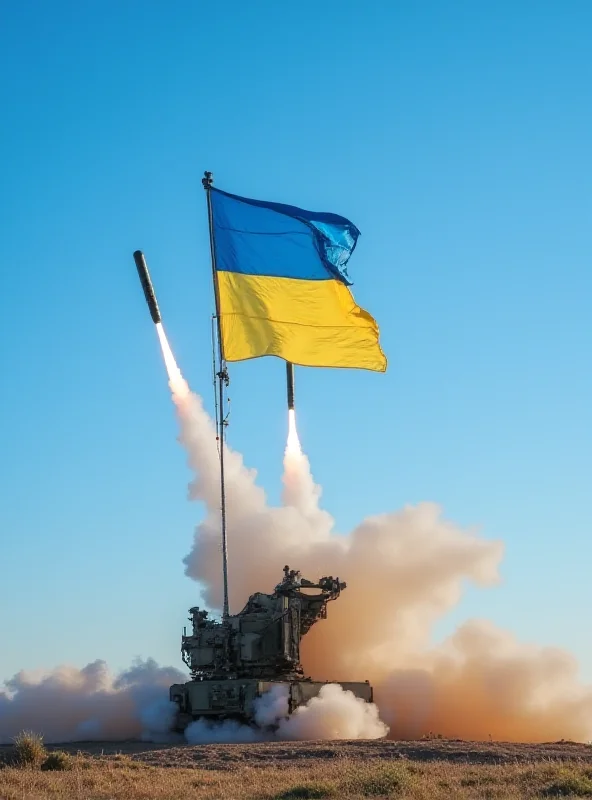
(142, 268)
(290, 383)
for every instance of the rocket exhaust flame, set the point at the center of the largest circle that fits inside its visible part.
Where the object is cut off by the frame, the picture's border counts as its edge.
(177, 382)
(293, 444)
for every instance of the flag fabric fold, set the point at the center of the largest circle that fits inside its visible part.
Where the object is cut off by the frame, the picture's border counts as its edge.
(282, 286)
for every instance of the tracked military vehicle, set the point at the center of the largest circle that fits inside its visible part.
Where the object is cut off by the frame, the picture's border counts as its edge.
(238, 659)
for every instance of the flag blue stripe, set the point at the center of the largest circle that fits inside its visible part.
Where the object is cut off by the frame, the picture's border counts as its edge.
(255, 237)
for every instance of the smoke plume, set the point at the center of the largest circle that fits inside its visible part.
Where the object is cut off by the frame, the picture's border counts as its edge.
(405, 570)
(90, 704)
(333, 714)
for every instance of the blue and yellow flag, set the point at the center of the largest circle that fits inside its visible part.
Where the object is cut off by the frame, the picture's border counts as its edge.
(282, 286)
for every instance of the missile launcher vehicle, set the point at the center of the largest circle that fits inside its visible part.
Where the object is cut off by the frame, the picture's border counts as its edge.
(236, 660)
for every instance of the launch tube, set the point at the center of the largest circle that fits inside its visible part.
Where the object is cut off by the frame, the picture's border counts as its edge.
(290, 384)
(147, 287)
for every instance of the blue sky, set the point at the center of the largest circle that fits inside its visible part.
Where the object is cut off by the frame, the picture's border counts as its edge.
(456, 135)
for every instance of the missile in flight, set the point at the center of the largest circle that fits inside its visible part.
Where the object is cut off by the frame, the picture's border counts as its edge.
(290, 384)
(142, 268)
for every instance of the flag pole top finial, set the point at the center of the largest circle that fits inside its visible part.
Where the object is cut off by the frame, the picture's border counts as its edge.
(207, 180)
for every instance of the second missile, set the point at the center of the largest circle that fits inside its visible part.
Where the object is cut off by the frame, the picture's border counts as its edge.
(142, 268)
(290, 384)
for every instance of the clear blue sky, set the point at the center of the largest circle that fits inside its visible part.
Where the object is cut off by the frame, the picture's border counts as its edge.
(456, 135)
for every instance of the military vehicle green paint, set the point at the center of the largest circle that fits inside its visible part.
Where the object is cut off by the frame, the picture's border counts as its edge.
(236, 660)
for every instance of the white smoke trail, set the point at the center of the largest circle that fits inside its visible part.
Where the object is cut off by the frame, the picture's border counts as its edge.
(300, 490)
(90, 704)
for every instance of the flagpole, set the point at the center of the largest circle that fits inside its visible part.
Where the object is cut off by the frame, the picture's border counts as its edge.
(222, 376)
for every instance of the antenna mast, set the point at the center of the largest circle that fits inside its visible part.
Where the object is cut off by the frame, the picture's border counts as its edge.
(223, 380)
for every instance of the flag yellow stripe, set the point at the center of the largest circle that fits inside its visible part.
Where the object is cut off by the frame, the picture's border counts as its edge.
(312, 323)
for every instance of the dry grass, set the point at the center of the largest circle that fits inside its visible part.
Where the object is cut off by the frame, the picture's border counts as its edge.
(313, 772)
(29, 749)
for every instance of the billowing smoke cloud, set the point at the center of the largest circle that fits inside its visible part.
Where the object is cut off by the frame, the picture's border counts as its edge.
(405, 570)
(333, 714)
(90, 704)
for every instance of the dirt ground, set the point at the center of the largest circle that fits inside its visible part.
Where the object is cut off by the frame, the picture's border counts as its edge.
(347, 770)
(294, 754)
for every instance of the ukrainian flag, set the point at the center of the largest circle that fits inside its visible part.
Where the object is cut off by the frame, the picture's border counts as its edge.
(282, 286)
